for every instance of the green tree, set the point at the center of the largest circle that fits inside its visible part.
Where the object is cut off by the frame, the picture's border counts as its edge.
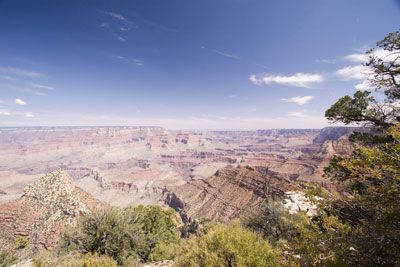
(384, 64)
(304, 240)
(370, 177)
(371, 180)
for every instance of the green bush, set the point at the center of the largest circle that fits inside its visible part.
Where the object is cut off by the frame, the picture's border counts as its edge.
(272, 221)
(21, 242)
(47, 259)
(7, 258)
(144, 233)
(227, 245)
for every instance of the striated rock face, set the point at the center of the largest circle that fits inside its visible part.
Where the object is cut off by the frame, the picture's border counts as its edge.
(226, 194)
(45, 208)
(331, 148)
(334, 133)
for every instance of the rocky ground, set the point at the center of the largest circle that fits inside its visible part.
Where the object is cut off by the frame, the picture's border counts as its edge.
(45, 208)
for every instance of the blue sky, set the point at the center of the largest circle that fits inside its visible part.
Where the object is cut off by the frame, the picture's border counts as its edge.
(198, 64)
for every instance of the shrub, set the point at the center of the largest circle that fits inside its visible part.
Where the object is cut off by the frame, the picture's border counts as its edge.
(272, 221)
(7, 258)
(21, 242)
(46, 259)
(146, 233)
(227, 245)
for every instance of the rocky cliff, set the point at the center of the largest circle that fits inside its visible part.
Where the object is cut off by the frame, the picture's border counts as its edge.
(226, 194)
(45, 208)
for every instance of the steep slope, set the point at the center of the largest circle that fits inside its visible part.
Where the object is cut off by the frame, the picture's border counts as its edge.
(227, 194)
(45, 208)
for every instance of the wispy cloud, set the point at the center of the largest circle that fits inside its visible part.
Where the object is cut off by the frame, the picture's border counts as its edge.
(19, 72)
(119, 27)
(221, 53)
(29, 115)
(46, 87)
(298, 80)
(6, 78)
(113, 32)
(298, 114)
(135, 61)
(11, 113)
(33, 91)
(326, 61)
(126, 24)
(19, 102)
(5, 112)
(299, 100)
(117, 16)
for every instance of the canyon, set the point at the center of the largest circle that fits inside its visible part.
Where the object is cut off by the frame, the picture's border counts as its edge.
(211, 174)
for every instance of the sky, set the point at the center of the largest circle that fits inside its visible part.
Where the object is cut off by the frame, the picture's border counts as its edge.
(179, 64)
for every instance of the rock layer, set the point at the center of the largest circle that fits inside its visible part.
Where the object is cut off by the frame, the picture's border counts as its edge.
(227, 194)
(45, 208)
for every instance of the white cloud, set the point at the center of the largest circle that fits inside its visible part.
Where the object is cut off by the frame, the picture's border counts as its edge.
(299, 100)
(358, 72)
(362, 72)
(20, 102)
(362, 58)
(20, 72)
(46, 87)
(364, 86)
(299, 79)
(29, 115)
(5, 113)
(298, 114)
(379, 53)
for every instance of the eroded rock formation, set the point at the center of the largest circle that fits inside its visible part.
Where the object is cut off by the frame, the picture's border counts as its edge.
(45, 208)
(227, 194)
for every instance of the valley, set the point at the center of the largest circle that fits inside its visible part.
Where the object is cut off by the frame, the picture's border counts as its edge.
(125, 166)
